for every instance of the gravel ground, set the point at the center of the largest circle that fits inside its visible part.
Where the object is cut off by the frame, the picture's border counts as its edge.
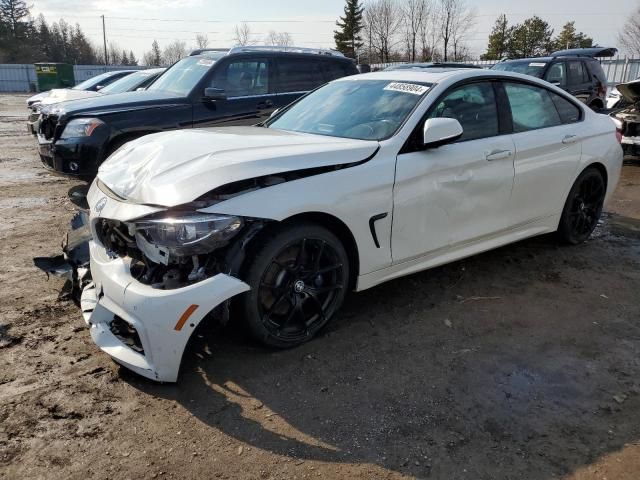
(519, 363)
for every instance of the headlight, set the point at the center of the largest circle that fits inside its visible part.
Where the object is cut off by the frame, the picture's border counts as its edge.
(191, 234)
(81, 127)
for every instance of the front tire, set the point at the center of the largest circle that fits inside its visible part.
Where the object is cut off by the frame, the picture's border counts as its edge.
(583, 207)
(298, 281)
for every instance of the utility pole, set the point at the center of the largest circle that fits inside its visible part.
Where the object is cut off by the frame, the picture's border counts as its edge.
(104, 38)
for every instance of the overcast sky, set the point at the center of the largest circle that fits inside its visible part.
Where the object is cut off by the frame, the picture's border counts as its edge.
(310, 23)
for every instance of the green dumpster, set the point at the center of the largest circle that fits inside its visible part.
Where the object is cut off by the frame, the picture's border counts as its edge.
(54, 75)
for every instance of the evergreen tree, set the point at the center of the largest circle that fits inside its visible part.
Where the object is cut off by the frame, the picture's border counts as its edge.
(569, 37)
(124, 60)
(347, 38)
(498, 40)
(132, 58)
(532, 38)
(156, 54)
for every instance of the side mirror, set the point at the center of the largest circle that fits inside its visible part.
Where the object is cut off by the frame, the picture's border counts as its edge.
(440, 131)
(140, 89)
(99, 87)
(212, 94)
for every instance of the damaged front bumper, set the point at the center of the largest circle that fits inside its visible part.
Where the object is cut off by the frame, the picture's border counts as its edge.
(158, 323)
(143, 328)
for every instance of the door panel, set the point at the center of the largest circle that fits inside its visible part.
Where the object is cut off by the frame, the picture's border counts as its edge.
(548, 149)
(579, 81)
(249, 100)
(545, 162)
(450, 195)
(459, 192)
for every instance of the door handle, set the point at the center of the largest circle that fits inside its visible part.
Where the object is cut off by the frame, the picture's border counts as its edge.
(498, 155)
(569, 139)
(265, 104)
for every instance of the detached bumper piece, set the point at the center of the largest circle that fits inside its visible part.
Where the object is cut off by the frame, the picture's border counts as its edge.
(143, 328)
(73, 264)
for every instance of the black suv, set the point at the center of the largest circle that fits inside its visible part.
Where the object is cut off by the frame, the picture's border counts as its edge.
(241, 86)
(576, 70)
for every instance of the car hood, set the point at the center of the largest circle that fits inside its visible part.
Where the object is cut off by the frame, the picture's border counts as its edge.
(118, 102)
(630, 90)
(37, 98)
(173, 168)
(62, 95)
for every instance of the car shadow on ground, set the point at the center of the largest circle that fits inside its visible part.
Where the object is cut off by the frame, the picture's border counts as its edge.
(514, 363)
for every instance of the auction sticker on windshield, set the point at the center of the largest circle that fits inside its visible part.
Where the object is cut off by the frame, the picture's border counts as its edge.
(412, 88)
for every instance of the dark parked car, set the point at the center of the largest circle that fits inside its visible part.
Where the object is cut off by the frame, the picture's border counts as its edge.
(241, 86)
(132, 82)
(93, 84)
(577, 71)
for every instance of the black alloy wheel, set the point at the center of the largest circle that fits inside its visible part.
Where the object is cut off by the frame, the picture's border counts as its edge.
(583, 207)
(298, 281)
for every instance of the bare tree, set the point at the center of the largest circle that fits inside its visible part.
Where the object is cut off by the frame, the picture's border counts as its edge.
(202, 41)
(174, 52)
(455, 18)
(430, 37)
(629, 36)
(280, 39)
(415, 14)
(242, 35)
(382, 18)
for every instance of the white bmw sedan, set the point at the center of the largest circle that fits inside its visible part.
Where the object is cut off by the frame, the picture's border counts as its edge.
(366, 179)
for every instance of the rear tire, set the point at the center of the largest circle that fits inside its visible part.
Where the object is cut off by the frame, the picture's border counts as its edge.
(298, 281)
(583, 207)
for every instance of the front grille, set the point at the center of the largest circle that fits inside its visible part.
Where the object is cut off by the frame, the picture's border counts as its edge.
(48, 126)
(114, 235)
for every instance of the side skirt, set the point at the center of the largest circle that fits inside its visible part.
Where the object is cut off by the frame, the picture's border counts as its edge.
(459, 251)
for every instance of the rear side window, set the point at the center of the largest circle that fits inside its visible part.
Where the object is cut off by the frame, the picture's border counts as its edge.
(577, 73)
(298, 75)
(333, 70)
(568, 112)
(474, 106)
(531, 107)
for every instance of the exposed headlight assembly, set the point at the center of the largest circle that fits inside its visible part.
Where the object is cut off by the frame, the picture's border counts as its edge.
(186, 235)
(81, 127)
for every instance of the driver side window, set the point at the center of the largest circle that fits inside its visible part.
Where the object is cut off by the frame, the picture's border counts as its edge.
(474, 106)
(243, 78)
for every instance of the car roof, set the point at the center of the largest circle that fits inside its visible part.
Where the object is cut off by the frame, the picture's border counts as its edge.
(549, 59)
(437, 75)
(449, 65)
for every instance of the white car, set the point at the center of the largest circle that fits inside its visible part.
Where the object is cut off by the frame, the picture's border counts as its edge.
(364, 180)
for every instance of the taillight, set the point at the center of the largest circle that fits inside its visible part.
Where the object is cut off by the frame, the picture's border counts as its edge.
(619, 128)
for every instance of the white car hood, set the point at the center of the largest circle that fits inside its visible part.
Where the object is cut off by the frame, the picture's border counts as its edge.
(173, 168)
(62, 95)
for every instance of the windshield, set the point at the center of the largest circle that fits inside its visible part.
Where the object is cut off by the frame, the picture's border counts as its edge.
(93, 81)
(183, 76)
(358, 109)
(128, 83)
(528, 67)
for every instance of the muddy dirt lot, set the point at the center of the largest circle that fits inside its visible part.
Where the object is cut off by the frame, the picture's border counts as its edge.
(520, 363)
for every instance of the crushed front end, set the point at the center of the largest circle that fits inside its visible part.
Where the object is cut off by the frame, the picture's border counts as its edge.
(155, 275)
